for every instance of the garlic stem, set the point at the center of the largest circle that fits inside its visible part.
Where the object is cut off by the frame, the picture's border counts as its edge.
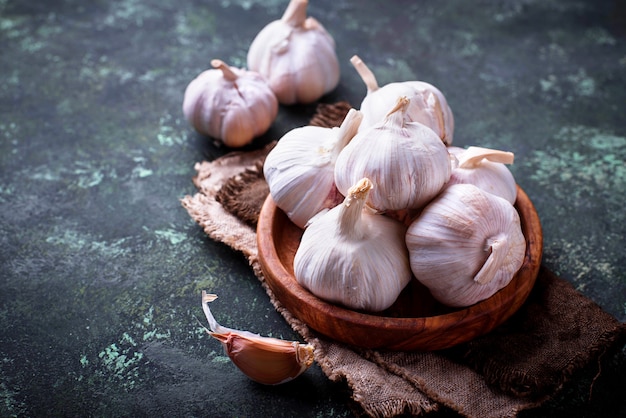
(401, 105)
(353, 207)
(472, 157)
(221, 65)
(295, 13)
(498, 248)
(365, 73)
(347, 130)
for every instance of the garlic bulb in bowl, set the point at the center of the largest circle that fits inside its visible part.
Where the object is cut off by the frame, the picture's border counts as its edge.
(296, 55)
(407, 161)
(299, 170)
(230, 104)
(428, 104)
(485, 168)
(353, 257)
(466, 245)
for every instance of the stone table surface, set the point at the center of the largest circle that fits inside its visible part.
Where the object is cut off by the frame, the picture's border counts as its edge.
(101, 268)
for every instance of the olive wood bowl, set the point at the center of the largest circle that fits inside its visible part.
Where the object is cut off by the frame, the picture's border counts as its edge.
(416, 321)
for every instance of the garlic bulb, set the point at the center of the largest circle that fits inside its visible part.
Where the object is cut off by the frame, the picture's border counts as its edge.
(485, 168)
(299, 170)
(428, 104)
(466, 245)
(265, 360)
(353, 257)
(406, 160)
(296, 55)
(230, 104)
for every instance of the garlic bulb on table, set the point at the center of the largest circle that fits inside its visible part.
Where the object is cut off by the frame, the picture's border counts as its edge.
(485, 168)
(296, 55)
(230, 104)
(466, 245)
(299, 170)
(265, 360)
(406, 161)
(428, 104)
(352, 256)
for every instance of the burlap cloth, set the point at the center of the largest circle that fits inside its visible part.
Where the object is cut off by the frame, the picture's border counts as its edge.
(518, 366)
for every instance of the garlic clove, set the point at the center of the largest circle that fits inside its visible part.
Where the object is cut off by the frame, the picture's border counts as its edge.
(296, 55)
(230, 104)
(406, 160)
(428, 104)
(466, 245)
(485, 168)
(299, 170)
(353, 257)
(266, 360)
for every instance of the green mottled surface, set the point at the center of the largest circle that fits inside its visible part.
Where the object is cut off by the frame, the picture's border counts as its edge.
(101, 268)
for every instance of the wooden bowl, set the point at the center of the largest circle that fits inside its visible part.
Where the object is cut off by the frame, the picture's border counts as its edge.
(416, 321)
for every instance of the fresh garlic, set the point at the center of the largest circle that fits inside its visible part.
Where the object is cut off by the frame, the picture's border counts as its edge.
(299, 170)
(353, 257)
(296, 55)
(230, 104)
(466, 245)
(265, 360)
(485, 168)
(406, 160)
(428, 104)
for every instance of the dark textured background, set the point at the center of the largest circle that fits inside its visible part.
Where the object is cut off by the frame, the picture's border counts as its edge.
(101, 268)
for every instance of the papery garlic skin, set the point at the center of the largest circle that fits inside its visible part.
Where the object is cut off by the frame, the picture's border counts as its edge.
(428, 104)
(486, 169)
(266, 360)
(466, 245)
(230, 104)
(406, 161)
(353, 257)
(299, 170)
(296, 55)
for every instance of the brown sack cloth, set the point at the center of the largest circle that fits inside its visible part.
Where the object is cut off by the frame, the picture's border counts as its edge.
(518, 366)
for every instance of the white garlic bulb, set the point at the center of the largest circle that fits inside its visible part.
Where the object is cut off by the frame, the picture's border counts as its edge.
(428, 104)
(353, 257)
(296, 55)
(230, 104)
(485, 168)
(299, 170)
(466, 245)
(406, 160)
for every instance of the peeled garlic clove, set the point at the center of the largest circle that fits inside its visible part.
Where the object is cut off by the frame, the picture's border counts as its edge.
(266, 360)
(230, 104)
(296, 55)
(406, 161)
(466, 245)
(299, 170)
(353, 257)
(428, 104)
(485, 168)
